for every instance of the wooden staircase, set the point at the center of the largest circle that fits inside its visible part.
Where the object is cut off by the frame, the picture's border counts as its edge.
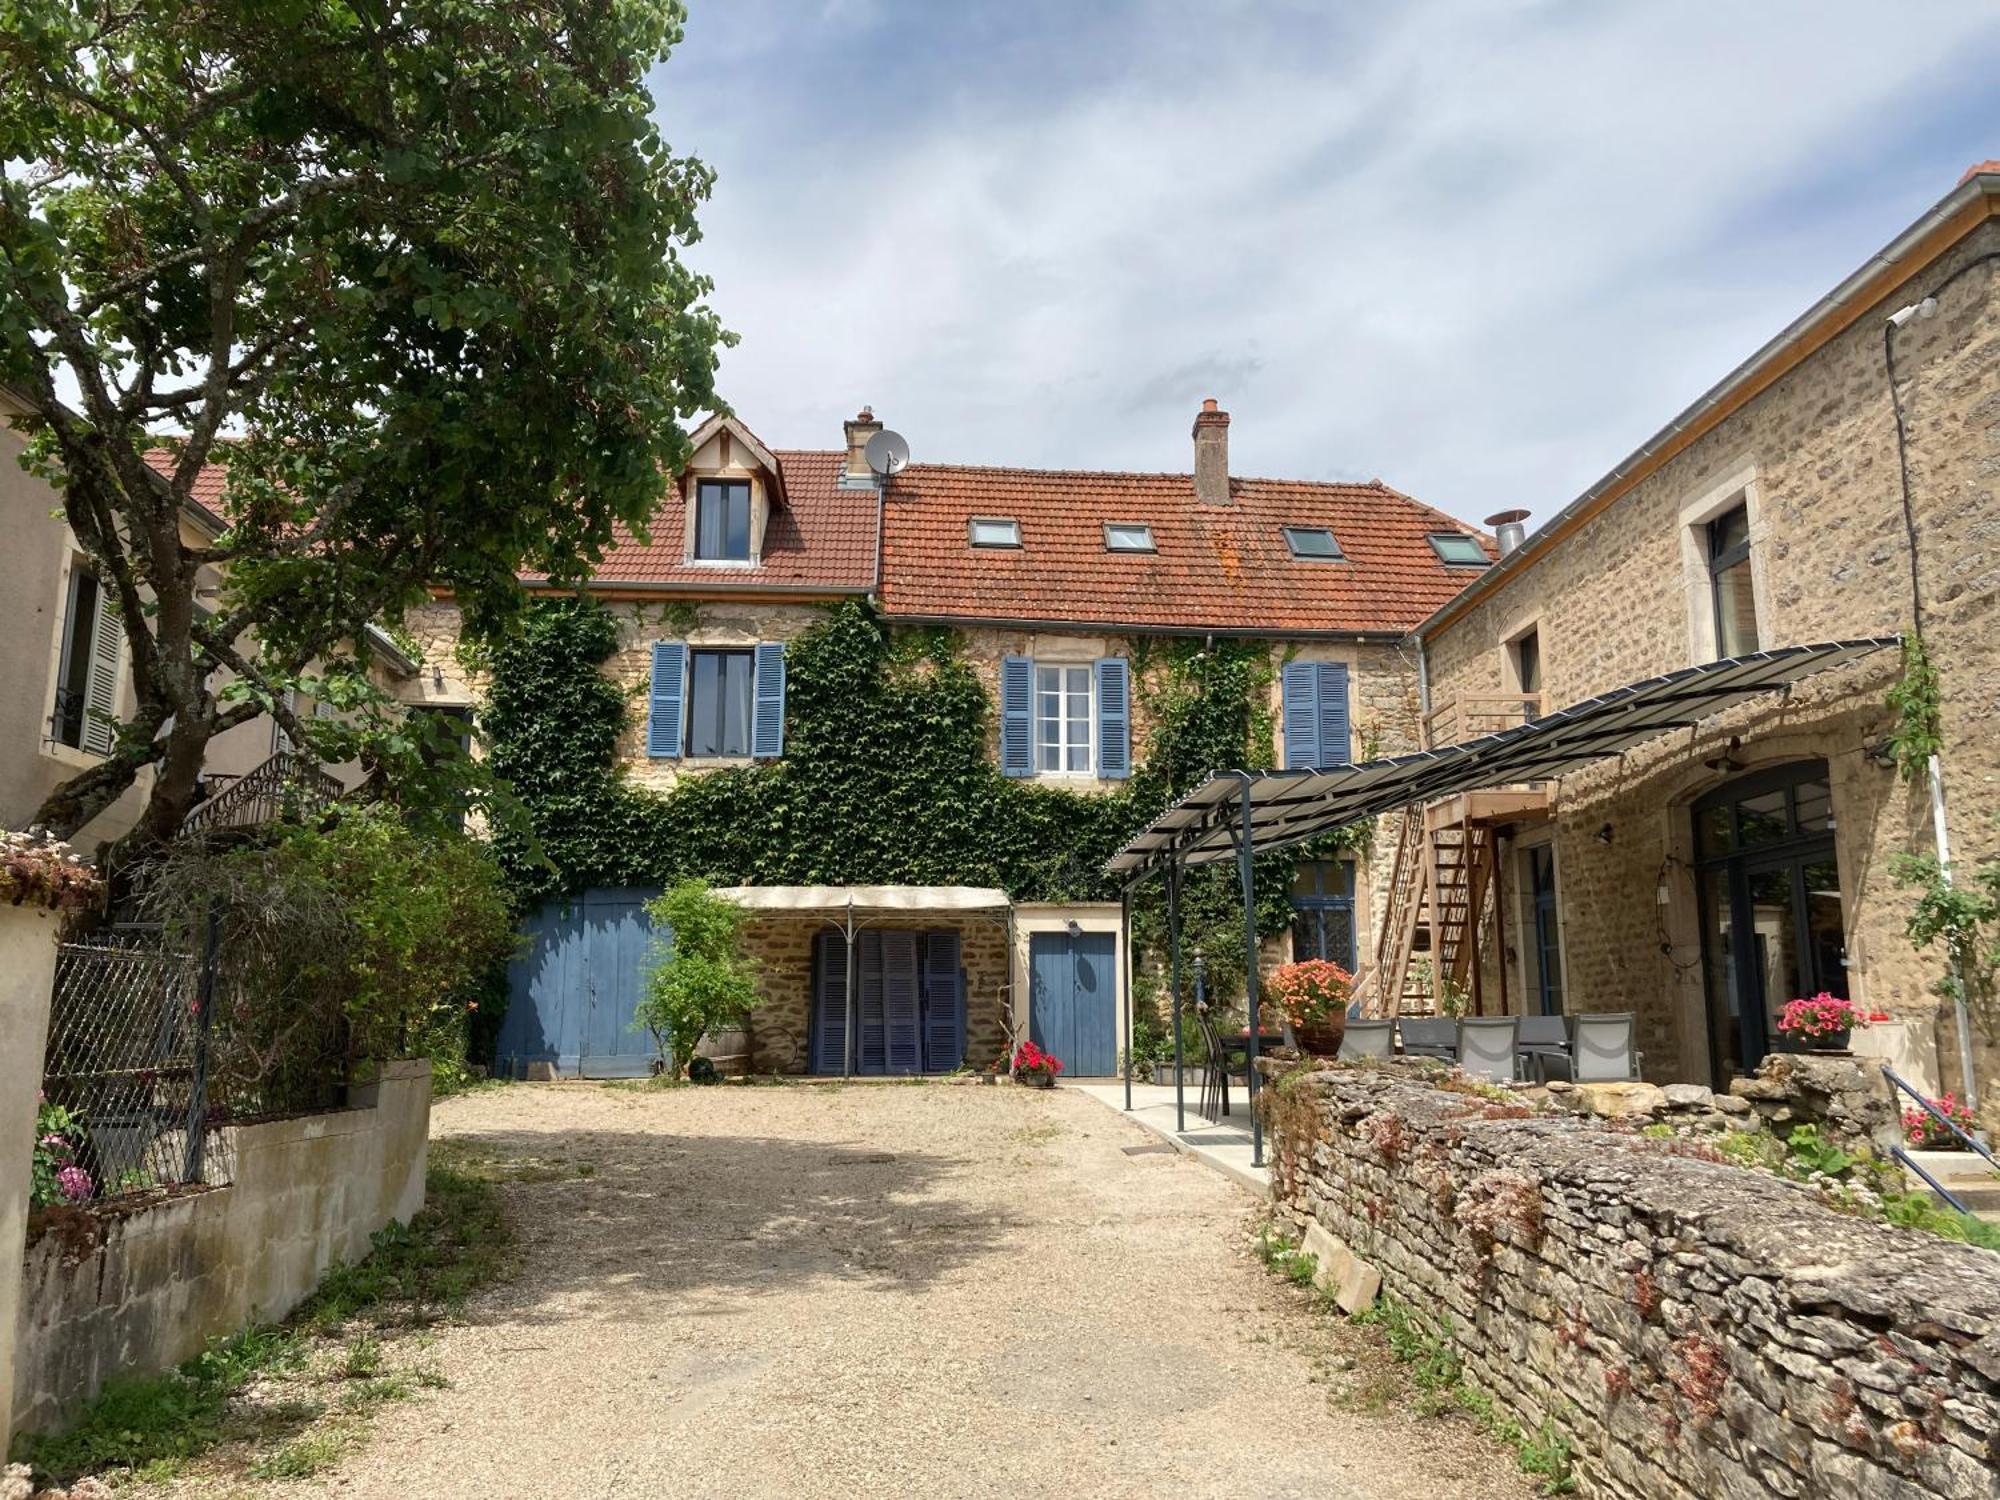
(1441, 895)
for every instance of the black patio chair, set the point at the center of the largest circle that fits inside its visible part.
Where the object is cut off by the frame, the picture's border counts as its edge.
(1544, 1048)
(1214, 1070)
(1429, 1036)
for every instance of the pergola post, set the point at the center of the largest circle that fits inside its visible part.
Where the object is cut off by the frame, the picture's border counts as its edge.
(847, 1032)
(1246, 853)
(1125, 981)
(1174, 962)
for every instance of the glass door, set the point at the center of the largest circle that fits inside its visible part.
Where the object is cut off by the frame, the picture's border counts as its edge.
(1773, 922)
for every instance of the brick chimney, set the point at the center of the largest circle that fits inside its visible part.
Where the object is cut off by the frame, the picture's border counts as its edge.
(859, 428)
(1211, 454)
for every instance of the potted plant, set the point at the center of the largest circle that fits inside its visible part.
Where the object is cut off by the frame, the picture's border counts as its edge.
(1820, 1024)
(1312, 996)
(1034, 1067)
(1922, 1129)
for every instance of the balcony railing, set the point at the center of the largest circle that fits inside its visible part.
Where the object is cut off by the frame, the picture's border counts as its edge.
(1470, 715)
(284, 786)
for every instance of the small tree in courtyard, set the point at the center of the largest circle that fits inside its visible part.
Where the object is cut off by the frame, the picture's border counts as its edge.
(701, 981)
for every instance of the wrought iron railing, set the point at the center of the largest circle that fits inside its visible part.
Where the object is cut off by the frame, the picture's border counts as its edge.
(285, 786)
(1903, 1158)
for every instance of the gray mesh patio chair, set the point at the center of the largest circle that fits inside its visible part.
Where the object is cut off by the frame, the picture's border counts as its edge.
(1601, 1047)
(1429, 1036)
(1368, 1039)
(1486, 1047)
(1545, 1047)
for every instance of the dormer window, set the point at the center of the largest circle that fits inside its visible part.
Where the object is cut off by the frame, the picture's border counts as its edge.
(1459, 550)
(1313, 544)
(1128, 537)
(722, 520)
(995, 531)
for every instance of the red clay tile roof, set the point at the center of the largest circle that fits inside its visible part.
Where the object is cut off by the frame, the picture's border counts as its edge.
(822, 537)
(1224, 568)
(1980, 169)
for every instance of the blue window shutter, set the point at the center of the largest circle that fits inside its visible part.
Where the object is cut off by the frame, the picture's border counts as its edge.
(1335, 744)
(944, 1003)
(663, 717)
(902, 1016)
(767, 729)
(1114, 717)
(1301, 714)
(1017, 716)
(830, 1024)
(870, 1052)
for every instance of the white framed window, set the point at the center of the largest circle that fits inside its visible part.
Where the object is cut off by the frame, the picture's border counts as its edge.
(1124, 536)
(84, 714)
(1064, 714)
(1723, 561)
(994, 531)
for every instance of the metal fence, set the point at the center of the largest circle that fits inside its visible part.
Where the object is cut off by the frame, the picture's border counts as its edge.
(154, 1049)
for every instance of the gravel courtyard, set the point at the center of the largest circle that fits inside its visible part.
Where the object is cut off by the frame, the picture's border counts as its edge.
(888, 1289)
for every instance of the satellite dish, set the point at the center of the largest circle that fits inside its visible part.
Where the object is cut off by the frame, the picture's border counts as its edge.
(887, 453)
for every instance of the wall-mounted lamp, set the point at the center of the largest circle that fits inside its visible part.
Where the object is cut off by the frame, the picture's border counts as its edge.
(1075, 927)
(437, 677)
(1725, 764)
(1603, 835)
(1881, 752)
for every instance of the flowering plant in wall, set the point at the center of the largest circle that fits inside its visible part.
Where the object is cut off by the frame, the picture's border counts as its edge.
(1035, 1067)
(56, 1177)
(40, 871)
(1822, 1022)
(1923, 1130)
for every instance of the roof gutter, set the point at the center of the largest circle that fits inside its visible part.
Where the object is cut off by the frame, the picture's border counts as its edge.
(1862, 289)
(1388, 635)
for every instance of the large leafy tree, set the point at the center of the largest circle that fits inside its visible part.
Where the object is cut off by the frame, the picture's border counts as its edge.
(408, 272)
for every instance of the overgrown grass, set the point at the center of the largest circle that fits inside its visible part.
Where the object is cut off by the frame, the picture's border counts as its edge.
(1433, 1369)
(149, 1427)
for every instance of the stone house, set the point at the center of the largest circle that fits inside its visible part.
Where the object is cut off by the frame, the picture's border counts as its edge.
(65, 671)
(1839, 483)
(1052, 583)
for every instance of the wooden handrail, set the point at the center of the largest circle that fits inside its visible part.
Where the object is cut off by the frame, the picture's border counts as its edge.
(1471, 715)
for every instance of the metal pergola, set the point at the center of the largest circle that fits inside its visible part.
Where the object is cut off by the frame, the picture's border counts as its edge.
(1241, 814)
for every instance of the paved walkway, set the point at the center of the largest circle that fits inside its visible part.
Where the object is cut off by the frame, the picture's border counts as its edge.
(1223, 1144)
(888, 1290)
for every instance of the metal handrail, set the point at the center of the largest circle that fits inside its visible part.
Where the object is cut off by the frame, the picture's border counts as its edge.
(1897, 1082)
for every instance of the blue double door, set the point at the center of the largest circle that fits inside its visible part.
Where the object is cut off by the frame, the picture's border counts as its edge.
(574, 990)
(1073, 1003)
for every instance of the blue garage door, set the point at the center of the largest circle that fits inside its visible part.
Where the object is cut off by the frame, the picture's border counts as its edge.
(575, 987)
(1073, 1009)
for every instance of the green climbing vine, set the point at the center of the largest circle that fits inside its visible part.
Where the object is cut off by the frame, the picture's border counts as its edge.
(886, 776)
(1917, 703)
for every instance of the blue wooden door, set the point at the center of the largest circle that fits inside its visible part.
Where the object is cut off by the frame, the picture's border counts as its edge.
(617, 954)
(1073, 1005)
(574, 990)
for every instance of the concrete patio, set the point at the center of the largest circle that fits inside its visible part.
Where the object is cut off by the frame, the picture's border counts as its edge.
(1224, 1145)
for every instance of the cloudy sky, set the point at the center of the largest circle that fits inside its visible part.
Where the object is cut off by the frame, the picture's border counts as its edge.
(1479, 250)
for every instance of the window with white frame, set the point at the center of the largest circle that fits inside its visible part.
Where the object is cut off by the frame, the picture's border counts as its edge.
(1063, 718)
(85, 712)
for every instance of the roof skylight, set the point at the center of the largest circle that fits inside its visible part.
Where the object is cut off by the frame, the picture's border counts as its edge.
(1121, 536)
(995, 531)
(1313, 544)
(1458, 549)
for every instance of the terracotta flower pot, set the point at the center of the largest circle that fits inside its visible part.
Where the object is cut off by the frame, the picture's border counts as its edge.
(1036, 1080)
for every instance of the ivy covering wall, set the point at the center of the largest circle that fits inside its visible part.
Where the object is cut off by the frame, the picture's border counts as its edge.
(886, 777)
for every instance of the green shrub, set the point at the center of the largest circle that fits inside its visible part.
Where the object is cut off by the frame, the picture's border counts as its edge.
(700, 981)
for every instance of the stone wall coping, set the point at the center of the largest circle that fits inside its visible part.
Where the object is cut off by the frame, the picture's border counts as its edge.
(1814, 1254)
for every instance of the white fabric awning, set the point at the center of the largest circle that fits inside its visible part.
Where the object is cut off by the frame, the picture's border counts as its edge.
(805, 900)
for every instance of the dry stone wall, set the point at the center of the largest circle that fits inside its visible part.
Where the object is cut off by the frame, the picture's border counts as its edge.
(1696, 1330)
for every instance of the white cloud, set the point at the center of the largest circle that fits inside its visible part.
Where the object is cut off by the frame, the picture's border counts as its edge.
(1481, 252)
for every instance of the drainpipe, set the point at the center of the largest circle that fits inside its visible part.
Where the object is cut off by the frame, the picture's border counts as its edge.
(1926, 307)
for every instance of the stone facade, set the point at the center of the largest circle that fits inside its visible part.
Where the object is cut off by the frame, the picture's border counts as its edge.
(1621, 596)
(1693, 1329)
(781, 947)
(148, 1289)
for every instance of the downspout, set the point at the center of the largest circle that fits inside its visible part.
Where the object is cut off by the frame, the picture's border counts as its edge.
(1926, 307)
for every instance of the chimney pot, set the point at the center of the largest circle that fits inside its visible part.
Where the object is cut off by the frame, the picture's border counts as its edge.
(1509, 530)
(1211, 454)
(859, 429)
